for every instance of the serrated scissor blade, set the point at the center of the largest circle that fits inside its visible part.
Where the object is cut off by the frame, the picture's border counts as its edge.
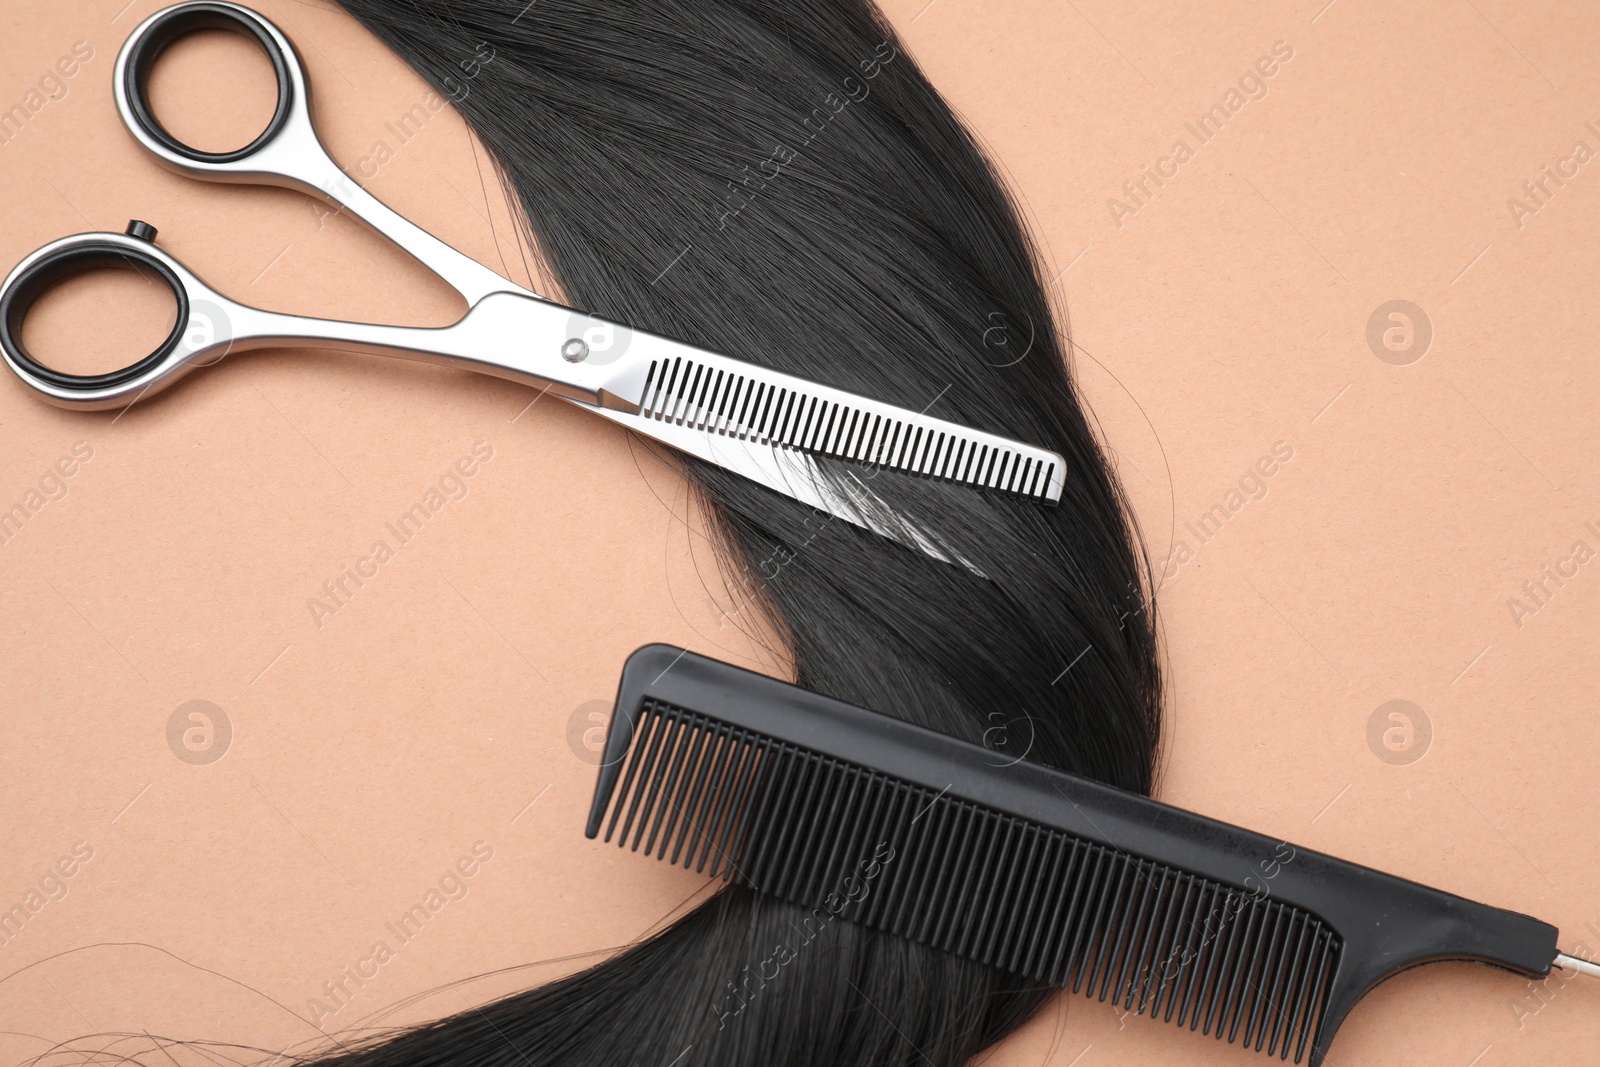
(729, 398)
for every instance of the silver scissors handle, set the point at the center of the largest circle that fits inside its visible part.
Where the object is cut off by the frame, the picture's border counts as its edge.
(288, 152)
(503, 318)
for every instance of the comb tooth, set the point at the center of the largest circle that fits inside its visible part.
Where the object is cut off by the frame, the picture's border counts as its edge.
(824, 826)
(1277, 988)
(706, 404)
(910, 459)
(1086, 875)
(826, 419)
(930, 452)
(649, 384)
(874, 442)
(1027, 865)
(929, 830)
(1304, 1019)
(699, 802)
(707, 415)
(725, 774)
(658, 772)
(703, 382)
(727, 386)
(865, 834)
(658, 380)
(1029, 918)
(835, 821)
(1000, 922)
(1194, 949)
(892, 442)
(693, 768)
(757, 397)
(641, 734)
(905, 879)
(782, 407)
(1271, 976)
(797, 418)
(757, 777)
(1317, 1001)
(841, 425)
(756, 837)
(669, 798)
(1180, 963)
(1099, 887)
(1249, 948)
(1260, 964)
(1234, 918)
(931, 841)
(944, 454)
(941, 459)
(1070, 855)
(1291, 992)
(795, 840)
(1155, 928)
(772, 414)
(1149, 986)
(808, 421)
(987, 829)
(752, 764)
(693, 373)
(1272, 965)
(1117, 931)
(842, 432)
(947, 868)
(642, 788)
(790, 433)
(841, 825)
(738, 404)
(1117, 870)
(685, 408)
(967, 462)
(896, 826)
(1129, 915)
(669, 389)
(1228, 1014)
(1002, 882)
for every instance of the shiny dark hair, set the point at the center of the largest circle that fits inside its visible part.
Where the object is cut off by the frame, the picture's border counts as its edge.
(779, 181)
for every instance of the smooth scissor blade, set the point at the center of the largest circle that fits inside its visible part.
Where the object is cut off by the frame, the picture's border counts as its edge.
(782, 470)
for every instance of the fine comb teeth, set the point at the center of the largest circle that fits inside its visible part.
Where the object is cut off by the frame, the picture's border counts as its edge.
(711, 392)
(1015, 865)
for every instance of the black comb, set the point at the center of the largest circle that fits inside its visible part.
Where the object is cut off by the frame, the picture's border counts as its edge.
(1016, 865)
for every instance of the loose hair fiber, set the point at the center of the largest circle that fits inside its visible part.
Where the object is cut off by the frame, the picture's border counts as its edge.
(779, 181)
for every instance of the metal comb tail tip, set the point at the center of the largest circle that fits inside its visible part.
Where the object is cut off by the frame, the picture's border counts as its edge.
(1569, 962)
(1041, 873)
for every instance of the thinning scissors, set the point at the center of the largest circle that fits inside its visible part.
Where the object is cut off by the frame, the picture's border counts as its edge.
(757, 422)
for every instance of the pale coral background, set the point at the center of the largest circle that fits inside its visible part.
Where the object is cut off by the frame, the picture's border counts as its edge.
(447, 702)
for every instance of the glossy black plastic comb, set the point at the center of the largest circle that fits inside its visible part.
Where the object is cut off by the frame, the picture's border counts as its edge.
(1012, 864)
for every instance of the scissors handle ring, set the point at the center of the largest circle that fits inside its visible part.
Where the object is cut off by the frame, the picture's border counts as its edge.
(76, 255)
(165, 27)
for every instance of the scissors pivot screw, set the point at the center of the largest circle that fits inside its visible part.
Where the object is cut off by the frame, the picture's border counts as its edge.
(142, 230)
(576, 350)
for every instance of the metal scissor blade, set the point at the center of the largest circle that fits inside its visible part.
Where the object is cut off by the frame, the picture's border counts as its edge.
(689, 386)
(794, 474)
